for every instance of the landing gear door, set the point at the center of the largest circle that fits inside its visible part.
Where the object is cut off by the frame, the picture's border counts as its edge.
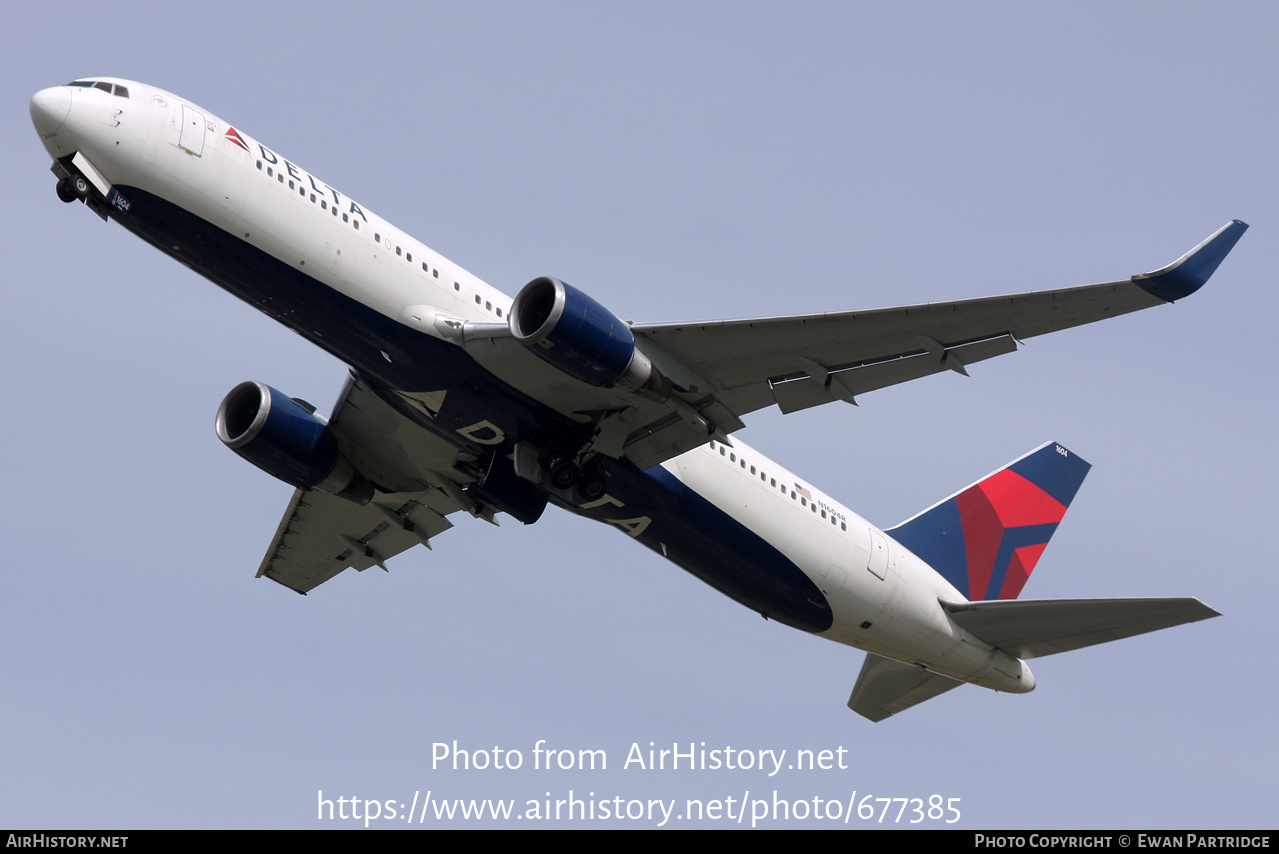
(191, 136)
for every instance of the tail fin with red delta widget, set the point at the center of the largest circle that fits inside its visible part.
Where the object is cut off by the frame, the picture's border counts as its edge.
(986, 539)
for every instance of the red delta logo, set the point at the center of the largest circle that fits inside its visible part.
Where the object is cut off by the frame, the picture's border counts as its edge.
(234, 135)
(1007, 522)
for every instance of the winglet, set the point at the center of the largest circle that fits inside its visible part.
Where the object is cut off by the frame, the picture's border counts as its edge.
(1188, 273)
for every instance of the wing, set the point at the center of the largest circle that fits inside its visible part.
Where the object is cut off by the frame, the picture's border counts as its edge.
(722, 370)
(797, 362)
(321, 534)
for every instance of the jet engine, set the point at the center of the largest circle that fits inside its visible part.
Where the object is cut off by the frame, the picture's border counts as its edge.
(288, 441)
(571, 331)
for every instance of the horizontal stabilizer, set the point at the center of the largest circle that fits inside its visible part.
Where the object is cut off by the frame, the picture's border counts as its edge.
(1032, 629)
(886, 687)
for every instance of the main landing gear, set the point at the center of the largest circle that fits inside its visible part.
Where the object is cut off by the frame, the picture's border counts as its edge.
(563, 472)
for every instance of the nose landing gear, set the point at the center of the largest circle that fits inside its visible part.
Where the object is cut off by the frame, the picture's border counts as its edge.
(72, 187)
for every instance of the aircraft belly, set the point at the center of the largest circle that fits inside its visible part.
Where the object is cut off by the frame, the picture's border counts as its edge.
(671, 518)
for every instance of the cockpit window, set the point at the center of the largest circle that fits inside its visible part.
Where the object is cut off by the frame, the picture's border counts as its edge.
(120, 91)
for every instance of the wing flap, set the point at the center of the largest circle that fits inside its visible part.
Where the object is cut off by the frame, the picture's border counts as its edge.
(886, 687)
(321, 535)
(796, 394)
(1035, 628)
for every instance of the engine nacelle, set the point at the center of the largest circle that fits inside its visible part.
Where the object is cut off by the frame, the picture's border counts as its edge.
(288, 442)
(577, 335)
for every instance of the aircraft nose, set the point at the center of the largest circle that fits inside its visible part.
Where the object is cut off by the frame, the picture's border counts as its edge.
(49, 108)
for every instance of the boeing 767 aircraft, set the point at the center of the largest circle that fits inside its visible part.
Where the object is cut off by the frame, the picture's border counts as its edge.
(461, 399)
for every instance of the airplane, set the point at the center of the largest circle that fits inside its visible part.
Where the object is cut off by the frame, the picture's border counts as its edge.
(462, 400)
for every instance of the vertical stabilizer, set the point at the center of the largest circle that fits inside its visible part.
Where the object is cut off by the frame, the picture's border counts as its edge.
(987, 538)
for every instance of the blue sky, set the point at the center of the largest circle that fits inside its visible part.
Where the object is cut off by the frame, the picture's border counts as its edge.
(677, 161)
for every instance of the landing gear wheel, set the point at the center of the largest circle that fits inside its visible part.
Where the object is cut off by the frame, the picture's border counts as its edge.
(563, 474)
(559, 467)
(593, 485)
(80, 186)
(65, 191)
